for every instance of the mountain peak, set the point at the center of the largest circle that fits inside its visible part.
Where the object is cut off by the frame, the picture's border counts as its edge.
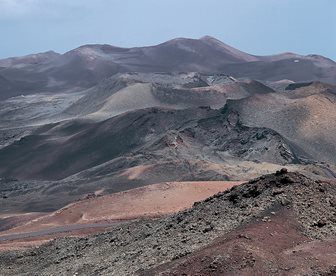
(29, 59)
(209, 38)
(216, 43)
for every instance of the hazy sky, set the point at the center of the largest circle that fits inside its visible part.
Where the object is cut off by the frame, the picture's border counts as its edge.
(255, 26)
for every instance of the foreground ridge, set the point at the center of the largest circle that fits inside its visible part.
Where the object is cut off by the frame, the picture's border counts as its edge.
(290, 209)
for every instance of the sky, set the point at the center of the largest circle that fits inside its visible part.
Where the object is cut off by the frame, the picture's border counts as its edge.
(260, 27)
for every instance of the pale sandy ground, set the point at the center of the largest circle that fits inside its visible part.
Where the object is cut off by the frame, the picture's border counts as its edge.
(145, 202)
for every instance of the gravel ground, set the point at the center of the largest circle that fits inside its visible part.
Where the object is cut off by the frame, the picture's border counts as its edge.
(146, 244)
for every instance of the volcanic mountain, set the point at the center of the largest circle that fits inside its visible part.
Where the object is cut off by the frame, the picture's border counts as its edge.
(136, 129)
(87, 65)
(304, 113)
(102, 135)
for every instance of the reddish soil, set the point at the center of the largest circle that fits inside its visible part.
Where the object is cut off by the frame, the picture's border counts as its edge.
(149, 201)
(8, 221)
(273, 245)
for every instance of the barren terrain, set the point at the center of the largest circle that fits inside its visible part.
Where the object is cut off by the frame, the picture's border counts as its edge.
(99, 212)
(130, 161)
(306, 116)
(85, 66)
(290, 208)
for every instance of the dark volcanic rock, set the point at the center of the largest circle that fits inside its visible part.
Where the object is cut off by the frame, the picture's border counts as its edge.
(59, 150)
(215, 225)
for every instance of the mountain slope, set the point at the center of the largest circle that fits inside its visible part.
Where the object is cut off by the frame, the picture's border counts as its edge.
(7, 88)
(132, 91)
(87, 65)
(305, 116)
(235, 227)
(59, 150)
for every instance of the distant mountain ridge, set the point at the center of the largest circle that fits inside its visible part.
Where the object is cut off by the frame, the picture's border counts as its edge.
(87, 65)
